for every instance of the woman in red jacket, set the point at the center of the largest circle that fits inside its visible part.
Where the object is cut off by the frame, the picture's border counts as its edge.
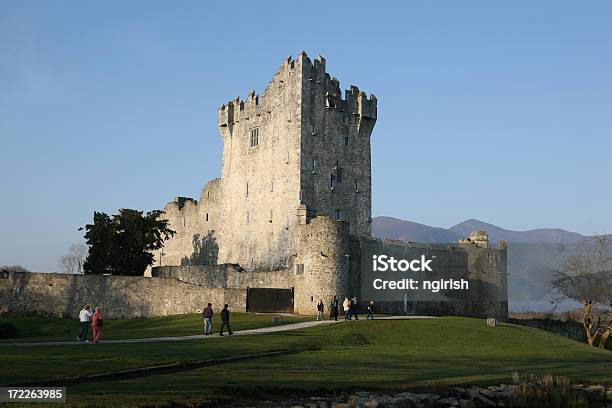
(97, 321)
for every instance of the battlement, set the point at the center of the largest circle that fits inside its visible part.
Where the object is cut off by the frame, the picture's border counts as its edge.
(179, 202)
(299, 72)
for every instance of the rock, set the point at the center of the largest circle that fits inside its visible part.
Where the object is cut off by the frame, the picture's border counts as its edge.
(595, 393)
(480, 401)
(458, 392)
(448, 402)
(323, 404)
(369, 403)
(340, 405)
(487, 393)
(464, 403)
(408, 400)
(609, 395)
(356, 401)
(402, 402)
(428, 400)
(472, 393)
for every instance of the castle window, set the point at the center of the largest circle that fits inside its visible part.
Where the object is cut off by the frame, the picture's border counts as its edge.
(338, 172)
(272, 185)
(247, 189)
(206, 216)
(299, 269)
(208, 194)
(314, 165)
(254, 137)
(332, 181)
(290, 116)
(337, 215)
(329, 101)
(356, 186)
(346, 140)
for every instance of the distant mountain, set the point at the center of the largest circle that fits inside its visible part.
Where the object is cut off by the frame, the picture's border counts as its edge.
(393, 228)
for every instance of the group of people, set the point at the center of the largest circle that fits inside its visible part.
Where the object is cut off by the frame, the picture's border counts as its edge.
(97, 321)
(208, 320)
(349, 306)
(86, 317)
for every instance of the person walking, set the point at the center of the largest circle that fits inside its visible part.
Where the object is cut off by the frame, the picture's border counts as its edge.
(97, 323)
(225, 320)
(354, 309)
(333, 309)
(346, 306)
(208, 314)
(370, 310)
(320, 308)
(84, 318)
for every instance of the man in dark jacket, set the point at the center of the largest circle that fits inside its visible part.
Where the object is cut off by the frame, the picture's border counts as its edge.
(353, 309)
(333, 309)
(208, 314)
(371, 310)
(225, 320)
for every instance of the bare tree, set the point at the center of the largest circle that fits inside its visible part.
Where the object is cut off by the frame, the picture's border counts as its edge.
(69, 264)
(79, 251)
(586, 278)
(72, 262)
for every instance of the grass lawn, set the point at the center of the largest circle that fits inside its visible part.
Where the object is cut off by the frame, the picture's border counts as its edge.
(49, 328)
(355, 355)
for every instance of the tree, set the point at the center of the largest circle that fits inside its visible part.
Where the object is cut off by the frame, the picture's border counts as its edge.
(124, 243)
(586, 278)
(72, 262)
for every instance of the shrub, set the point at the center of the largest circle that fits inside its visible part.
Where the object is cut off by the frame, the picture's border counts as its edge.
(545, 391)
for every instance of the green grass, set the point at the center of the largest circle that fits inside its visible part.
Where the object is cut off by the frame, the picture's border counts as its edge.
(51, 329)
(356, 355)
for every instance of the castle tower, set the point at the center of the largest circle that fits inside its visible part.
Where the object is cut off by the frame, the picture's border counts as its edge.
(299, 144)
(299, 150)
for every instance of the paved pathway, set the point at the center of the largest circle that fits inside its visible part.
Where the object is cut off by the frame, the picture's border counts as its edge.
(262, 330)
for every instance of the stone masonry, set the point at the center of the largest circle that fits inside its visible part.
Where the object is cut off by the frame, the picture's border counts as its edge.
(292, 208)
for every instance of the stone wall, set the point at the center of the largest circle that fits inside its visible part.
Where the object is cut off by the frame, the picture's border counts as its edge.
(229, 276)
(484, 268)
(62, 295)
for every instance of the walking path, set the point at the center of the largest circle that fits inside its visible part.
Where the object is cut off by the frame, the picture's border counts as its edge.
(262, 330)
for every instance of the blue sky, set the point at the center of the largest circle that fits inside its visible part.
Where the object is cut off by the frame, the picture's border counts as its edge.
(488, 110)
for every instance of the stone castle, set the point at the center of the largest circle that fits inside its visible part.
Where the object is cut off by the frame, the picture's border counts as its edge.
(287, 224)
(292, 208)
